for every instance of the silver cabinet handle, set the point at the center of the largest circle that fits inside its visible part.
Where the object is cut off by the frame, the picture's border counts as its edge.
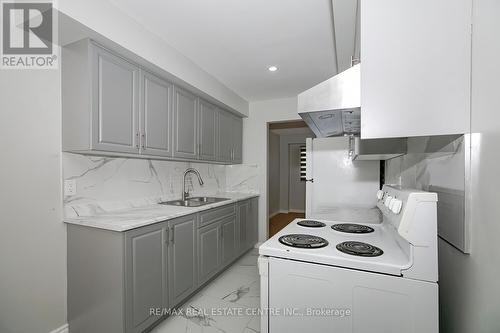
(172, 235)
(167, 235)
(143, 136)
(137, 140)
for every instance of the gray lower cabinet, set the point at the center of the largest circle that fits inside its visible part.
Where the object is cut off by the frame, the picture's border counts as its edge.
(182, 268)
(185, 124)
(122, 281)
(247, 217)
(243, 209)
(229, 239)
(156, 116)
(146, 283)
(253, 224)
(209, 253)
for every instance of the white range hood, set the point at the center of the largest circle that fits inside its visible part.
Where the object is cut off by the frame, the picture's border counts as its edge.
(333, 107)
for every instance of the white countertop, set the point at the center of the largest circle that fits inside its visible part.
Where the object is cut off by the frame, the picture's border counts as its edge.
(123, 220)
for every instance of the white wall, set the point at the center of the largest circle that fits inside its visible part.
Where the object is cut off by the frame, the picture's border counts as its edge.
(255, 143)
(274, 174)
(32, 235)
(112, 23)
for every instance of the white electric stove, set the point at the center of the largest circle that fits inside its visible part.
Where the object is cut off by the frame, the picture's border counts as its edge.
(349, 277)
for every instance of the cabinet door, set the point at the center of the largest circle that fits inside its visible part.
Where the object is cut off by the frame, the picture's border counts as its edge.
(209, 251)
(207, 131)
(115, 103)
(156, 116)
(185, 124)
(237, 139)
(182, 264)
(242, 215)
(225, 143)
(252, 222)
(229, 239)
(415, 67)
(146, 279)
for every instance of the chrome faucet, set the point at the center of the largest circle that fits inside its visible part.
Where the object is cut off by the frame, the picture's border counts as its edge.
(185, 194)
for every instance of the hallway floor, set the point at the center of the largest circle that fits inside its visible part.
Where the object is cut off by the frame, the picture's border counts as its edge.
(279, 221)
(229, 304)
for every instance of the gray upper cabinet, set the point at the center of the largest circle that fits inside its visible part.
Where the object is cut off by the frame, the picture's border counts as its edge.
(230, 139)
(225, 136)
(209, 250)
(208, 125)
(237, 140)
(115, 103)
(182, 264)
(113, 107)
(146, 279)
(185, 124)
(229, 239)
(156, 116)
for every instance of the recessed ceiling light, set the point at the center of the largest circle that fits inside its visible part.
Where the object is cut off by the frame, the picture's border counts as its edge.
(272, 68)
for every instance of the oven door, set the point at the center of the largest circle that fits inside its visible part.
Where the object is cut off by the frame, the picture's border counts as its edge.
(305, 297)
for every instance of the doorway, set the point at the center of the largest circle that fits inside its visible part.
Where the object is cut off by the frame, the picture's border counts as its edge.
(296, 185)
(286, 189)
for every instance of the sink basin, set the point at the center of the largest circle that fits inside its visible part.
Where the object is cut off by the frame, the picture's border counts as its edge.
(193, 202)
(207, 200)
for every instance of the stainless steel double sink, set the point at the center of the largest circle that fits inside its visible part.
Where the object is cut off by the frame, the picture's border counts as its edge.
(194, 201)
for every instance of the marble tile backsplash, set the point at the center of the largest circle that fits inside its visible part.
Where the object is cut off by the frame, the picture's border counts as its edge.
(430, 161)
(107, 183)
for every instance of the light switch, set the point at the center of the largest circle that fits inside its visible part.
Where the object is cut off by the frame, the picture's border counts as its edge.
(69, 187)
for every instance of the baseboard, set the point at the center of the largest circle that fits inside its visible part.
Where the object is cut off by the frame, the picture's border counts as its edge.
(297, 211)
(63, 329)
(273, 214)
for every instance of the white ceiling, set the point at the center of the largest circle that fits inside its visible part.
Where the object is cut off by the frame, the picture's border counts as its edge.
(236, 40)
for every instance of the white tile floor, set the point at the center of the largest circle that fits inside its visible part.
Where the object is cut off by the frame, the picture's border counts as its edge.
(228, 304)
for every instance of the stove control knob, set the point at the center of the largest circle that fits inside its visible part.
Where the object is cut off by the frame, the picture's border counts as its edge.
(387, 201)
(380, 194)
(391, 203)
(396, 207)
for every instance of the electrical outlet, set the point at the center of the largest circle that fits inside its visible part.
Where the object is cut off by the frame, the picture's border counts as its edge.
(69, 187)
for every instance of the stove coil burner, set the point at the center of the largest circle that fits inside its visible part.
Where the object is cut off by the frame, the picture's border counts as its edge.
(311, 224)
(303, 241)
(352, 228)
(359, 249)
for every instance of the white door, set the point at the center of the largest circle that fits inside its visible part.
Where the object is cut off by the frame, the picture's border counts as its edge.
(336, 182)
(296, 187)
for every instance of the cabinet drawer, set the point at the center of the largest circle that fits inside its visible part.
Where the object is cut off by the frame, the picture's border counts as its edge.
(215, 214)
